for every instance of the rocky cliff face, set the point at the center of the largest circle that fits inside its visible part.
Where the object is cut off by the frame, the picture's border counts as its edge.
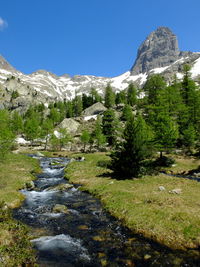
(5, 65)
(160, 49)
(159, 53)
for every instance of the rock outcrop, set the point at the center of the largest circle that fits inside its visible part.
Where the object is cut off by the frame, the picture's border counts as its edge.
(70, 125)
(95, 109)
(5, 65)
(160, 49)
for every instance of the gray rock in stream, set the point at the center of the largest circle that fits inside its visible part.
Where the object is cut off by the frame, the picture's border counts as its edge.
(58, 208)
(30, 185)
(60, 187)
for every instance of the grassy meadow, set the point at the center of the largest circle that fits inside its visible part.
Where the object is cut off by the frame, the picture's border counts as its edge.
(168, 218)
(15, 171)
(15, 247)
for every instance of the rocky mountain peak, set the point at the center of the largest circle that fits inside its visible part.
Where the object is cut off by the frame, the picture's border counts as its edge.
(5, 65)
(160, 49)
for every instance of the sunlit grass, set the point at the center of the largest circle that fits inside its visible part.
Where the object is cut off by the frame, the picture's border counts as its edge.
(15, 246)
(171, 219)
(15, 171)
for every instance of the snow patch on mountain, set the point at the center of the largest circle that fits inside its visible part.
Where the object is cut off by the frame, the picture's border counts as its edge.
(195, 70)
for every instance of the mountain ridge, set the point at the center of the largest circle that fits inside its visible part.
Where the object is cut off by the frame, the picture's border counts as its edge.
(159, 53)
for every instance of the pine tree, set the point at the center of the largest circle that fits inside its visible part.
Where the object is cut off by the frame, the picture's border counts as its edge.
(189, 137)
(32, 129)
(127, 160)
(6, 134)
(109, 97)
(98, 135)
(191, 102)
(131, 95)
(85, 138)
(64, 137)
(55, 143)
(95, 96)
(110, 126)
(127, 113)
(154, 87)
(166, 133)
(121, 98)
(17, 123)
(46, 129)
(87, 101)
(77, 105)
(54, 116)
(69, 109)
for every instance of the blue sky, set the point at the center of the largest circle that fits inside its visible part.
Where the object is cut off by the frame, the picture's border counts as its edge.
(96, 37)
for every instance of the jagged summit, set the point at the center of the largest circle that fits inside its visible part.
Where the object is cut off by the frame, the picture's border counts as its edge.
(160, 49)
(5, 65)
(159, 53)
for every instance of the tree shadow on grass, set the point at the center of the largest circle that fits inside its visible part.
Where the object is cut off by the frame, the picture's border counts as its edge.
(149, 167)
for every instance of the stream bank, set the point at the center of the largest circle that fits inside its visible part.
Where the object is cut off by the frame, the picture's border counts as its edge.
(70, 227)
(170, 219)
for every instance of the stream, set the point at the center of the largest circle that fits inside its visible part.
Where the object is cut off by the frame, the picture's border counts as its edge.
(71, 228)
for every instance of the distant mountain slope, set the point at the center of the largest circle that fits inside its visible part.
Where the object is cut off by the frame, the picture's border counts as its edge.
(159, 53)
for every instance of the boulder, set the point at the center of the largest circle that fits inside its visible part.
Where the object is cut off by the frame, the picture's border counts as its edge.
(58, 208)
(161, 188)
(39, 154)
(95, 109)
(69, 124)
(177, 191)
(60, 187)
(30, 185)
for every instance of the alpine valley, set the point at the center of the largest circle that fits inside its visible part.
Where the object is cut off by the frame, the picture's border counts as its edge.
(159, 53)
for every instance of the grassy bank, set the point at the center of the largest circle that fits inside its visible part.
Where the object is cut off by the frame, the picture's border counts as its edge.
(15, 247)
(15, 171)
(170, 219)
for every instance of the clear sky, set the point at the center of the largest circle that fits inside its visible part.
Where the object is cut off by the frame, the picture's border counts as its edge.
(97, 37)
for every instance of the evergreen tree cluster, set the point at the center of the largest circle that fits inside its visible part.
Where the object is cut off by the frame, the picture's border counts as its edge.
(167, 117)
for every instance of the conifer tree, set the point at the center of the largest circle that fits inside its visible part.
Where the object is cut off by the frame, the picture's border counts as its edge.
(153, 87)
(109, 97)
(32, 129)
(64, 137)
(98, 135)
(54, 116)
(46, 129)
(121, 98)
(95, 96)
(189, 137)
(110, 126)
(127, 113)
(131, 95)
(166, 132)
(85, 138)
(17, 123)
(127, 160)
(69, 109)
(6, 134)
(77, 105)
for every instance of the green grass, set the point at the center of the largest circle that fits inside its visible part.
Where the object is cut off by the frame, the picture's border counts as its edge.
(184, 164)
(15, 171)
(170, 219)
(15, 246)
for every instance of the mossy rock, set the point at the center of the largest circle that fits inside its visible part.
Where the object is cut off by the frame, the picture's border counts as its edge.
(58, 208)
(61, 187)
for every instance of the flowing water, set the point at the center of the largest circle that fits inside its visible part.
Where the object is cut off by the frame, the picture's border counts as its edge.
(83, 234)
